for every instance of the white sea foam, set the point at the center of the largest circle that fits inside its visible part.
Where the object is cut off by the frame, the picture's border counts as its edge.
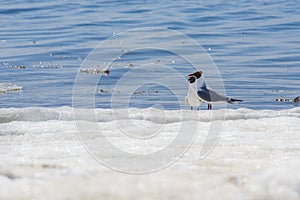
(256, 157)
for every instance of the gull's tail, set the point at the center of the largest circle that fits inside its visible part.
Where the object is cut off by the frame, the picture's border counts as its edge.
(231, 100)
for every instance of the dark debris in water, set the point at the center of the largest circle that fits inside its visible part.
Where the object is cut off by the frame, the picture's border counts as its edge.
(9, 87)
(103, 91)
(54, 66)
(95, 71)
(284, 99)
(39, 65)
(144, 92)
(18, 66)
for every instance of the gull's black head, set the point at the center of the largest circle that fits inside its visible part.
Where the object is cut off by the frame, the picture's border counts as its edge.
(192, 79)
(197, 74)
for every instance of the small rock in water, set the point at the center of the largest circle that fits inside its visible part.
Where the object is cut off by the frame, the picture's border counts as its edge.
(297, 99)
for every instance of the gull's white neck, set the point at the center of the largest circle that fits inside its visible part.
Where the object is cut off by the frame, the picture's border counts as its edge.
(200, 83)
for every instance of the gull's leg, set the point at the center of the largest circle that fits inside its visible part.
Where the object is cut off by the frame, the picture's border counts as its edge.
(209, 106)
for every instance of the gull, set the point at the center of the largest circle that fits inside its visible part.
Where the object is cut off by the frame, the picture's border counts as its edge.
(199, 91)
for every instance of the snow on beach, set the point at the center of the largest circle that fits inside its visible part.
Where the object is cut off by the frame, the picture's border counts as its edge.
(256, 156)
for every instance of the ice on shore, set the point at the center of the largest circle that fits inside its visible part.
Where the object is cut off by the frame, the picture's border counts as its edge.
(256, 156)
(36, 114)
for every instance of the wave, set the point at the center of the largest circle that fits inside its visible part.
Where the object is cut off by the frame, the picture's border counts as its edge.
(36, 114)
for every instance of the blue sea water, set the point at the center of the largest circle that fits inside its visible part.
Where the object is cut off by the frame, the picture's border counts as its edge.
(254, 44)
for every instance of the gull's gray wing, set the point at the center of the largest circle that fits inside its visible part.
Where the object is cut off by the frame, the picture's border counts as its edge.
(211, 96)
